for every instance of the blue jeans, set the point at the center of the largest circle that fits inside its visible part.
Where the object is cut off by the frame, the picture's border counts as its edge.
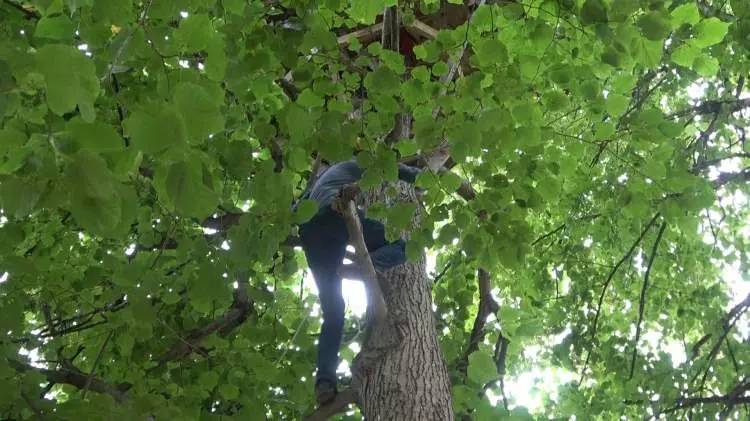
(324, 240)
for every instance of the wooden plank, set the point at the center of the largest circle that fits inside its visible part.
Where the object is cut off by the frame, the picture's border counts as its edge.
(421, 29)
(364, 34)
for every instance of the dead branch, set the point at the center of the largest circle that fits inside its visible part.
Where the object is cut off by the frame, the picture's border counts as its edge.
(346, 207)
(337, 405)
(642, 300)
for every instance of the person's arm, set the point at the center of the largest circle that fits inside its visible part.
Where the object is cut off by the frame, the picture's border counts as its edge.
(407, 173)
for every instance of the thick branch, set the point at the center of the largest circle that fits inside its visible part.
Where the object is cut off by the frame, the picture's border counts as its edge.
(69, 374)
(714, 107)
(346, 207)
(241, 308)
(642, 300)
(726, 178)
(737, 396)
(337, 405)
(487, 306)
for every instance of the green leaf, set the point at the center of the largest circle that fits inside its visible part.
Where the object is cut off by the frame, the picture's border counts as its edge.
(93, 194)
(649, 53)
(686, 13)
(450, 181)
(593, 11)
(305, 210)
(482, 367)
(491, 52)
(365, 11)
(194, 32)
(654, 25)
(383, 81)
(309, 99)
(709, 32)
(706, 66)
(685, 55)
(182, 186)
(200, 108)
(18, 197)
(617, 104)
(58, 28)
(96, 136)
(208, 291)
(229, 391)
(155, 128)
(70, 79)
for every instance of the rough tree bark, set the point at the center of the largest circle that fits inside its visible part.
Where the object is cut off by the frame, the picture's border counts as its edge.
(401, 373)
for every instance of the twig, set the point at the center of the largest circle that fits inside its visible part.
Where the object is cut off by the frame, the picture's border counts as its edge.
(339, 404)
(642, 301)
(96, 363)
(549, 234)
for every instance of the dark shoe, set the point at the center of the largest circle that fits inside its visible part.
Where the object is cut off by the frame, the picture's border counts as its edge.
(325, 391)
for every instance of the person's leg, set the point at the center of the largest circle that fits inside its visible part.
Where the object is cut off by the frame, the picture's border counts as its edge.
(324, 243)
(384, 255)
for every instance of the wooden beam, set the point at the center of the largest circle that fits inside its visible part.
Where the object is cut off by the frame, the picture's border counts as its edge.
(421, 29)
(364, 34)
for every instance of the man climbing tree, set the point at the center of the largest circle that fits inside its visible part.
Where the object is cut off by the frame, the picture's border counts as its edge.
(324, 240)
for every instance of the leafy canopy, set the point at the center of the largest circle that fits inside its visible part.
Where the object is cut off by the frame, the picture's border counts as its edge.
(150, 151)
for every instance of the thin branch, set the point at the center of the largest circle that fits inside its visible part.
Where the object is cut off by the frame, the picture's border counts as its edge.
(35, 409)
(606, 285)
(614, 271)
(549, 234)
(727, 322)
(642, 300)
(337, 405)
(96, 363)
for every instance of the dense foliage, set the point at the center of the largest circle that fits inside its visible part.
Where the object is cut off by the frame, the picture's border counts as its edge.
(150, 151)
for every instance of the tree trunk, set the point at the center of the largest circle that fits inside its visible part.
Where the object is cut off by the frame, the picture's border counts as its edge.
(400, 373)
